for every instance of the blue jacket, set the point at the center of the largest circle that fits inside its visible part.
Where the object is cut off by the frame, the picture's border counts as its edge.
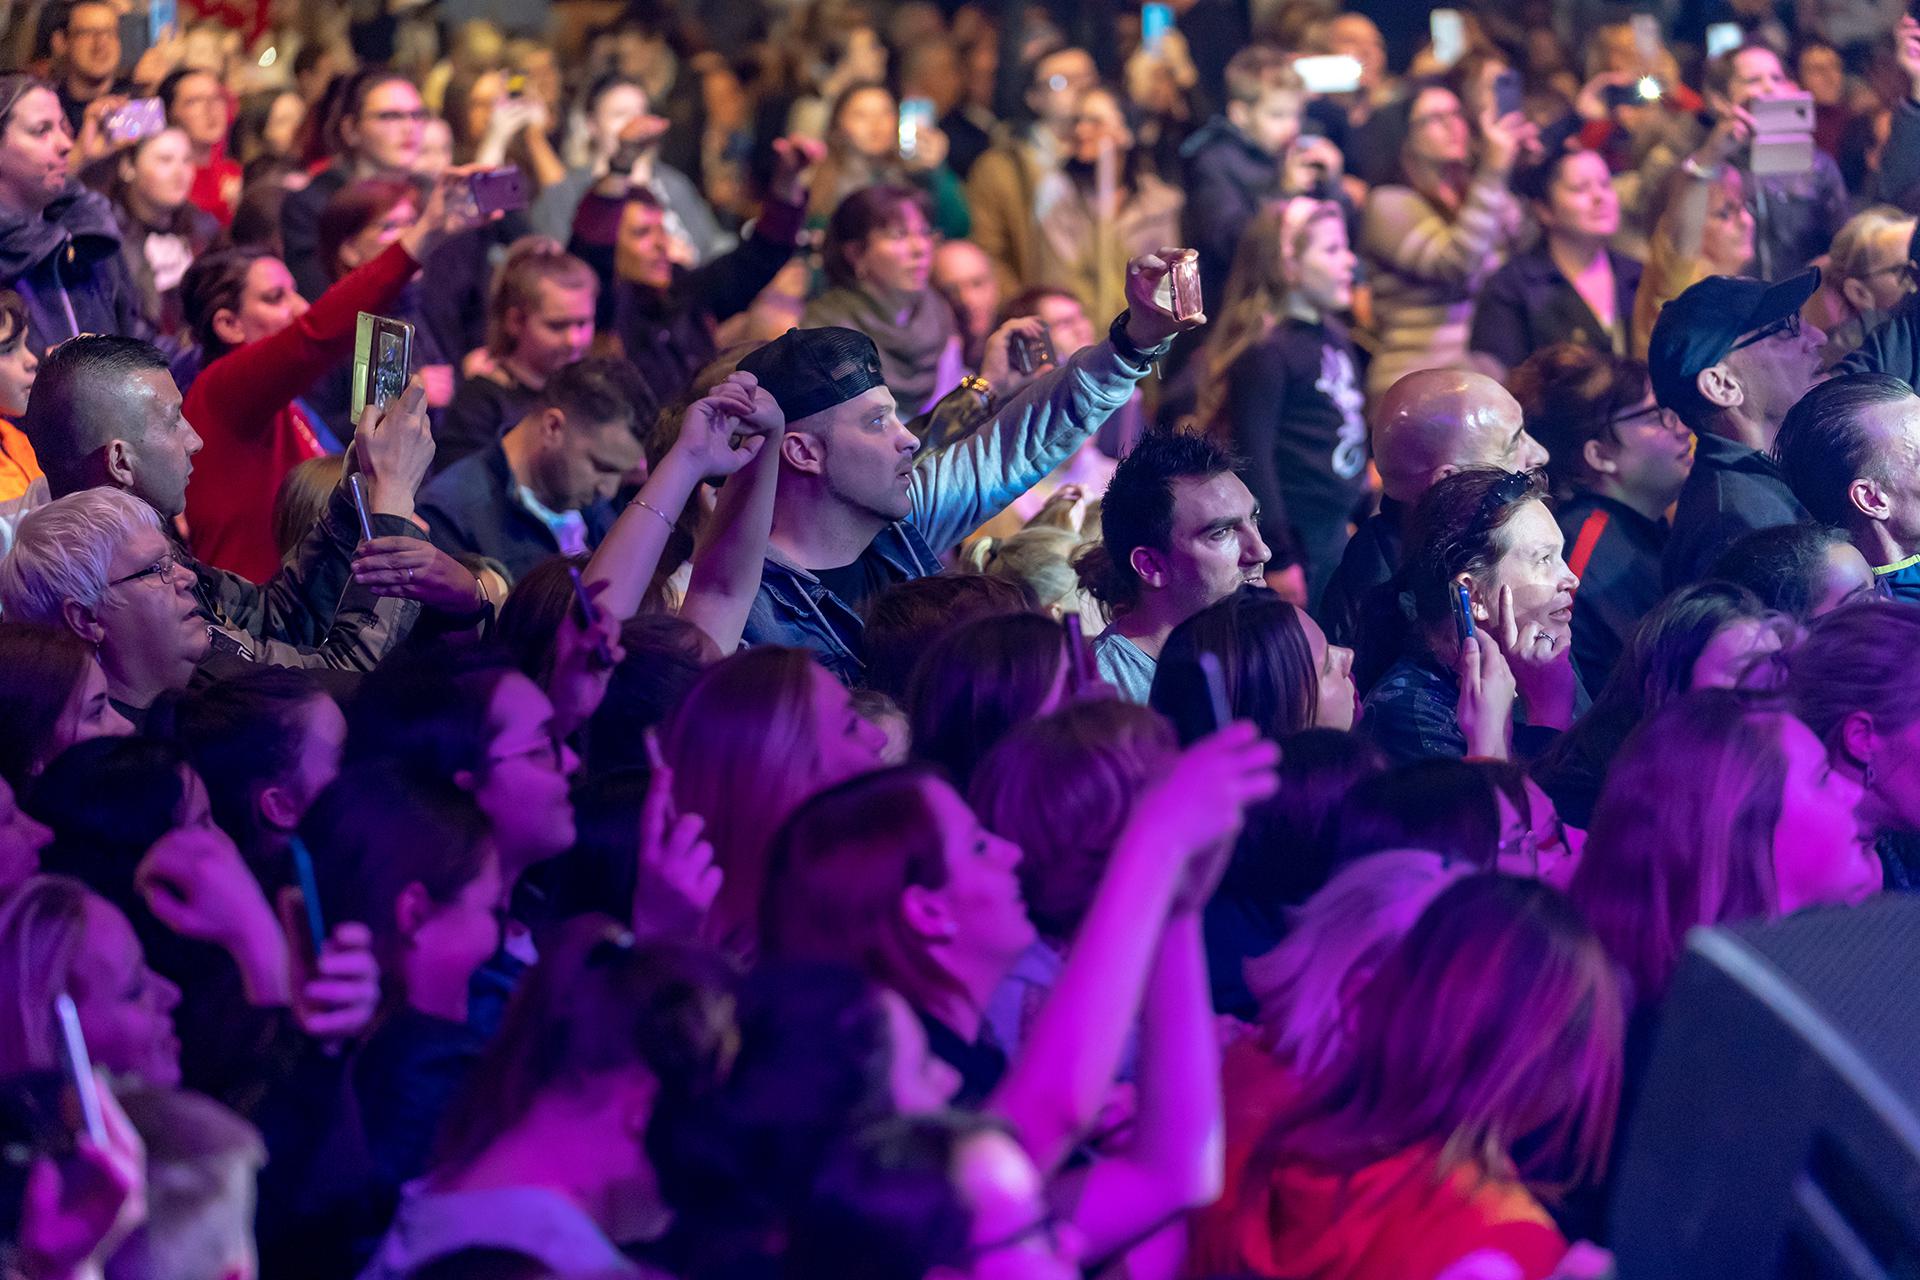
(954, 491)
(66, 264)
(470, 509)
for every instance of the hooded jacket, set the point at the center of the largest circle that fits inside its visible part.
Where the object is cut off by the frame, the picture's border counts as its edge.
(65, 263)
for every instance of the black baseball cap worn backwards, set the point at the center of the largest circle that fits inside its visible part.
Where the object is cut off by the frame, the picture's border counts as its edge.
(807, 371)
(1696, 330)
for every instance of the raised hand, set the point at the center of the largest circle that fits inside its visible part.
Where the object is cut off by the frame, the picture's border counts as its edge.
(195, 882)
(1485, 706)
(1194, 812)
(794, 161)
(725, 429)
(1542, 665)
(676, 881)
(394, 446)
(1503, 137)
(74, 1212)
(448, 210)
(415, 569)
(336, 998)
(996, 362)
(1150, 318)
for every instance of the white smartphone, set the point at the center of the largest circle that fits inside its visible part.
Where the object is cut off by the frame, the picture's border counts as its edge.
(1329, 73)
(73, 1047)
(1448, 32)
(1723, 38)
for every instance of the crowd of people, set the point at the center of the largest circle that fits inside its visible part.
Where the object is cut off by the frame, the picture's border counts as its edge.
(984, 640)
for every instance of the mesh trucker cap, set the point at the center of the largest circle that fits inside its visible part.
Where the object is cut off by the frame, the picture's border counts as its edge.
(809, 370)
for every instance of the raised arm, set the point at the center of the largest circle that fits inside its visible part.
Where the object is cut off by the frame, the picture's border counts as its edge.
(631, 551)
(1055, 1088)
(732, 550)
(1404, 231)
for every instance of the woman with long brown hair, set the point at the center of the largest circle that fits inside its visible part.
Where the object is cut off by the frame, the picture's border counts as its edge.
(1280, 387)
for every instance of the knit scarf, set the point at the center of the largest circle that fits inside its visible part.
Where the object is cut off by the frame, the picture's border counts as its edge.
(910, 329)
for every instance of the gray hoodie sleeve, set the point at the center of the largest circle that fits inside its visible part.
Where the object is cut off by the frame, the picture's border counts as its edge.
(957, 489)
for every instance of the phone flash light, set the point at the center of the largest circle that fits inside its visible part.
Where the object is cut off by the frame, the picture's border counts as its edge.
(1648, 88)
(1057, 83)
(269, 56)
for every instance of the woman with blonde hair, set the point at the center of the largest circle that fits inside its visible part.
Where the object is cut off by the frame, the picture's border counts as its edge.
(1869, 270)
(1280, 387)
(755, 736)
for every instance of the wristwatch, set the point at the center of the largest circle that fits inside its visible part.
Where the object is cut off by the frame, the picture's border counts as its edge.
(1123, 345)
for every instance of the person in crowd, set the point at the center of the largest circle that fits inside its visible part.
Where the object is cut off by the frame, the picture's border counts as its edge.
(97, 564)
(978, 680)
(963, 273)
(59, 246)
(1617, 462)
(1797, 214)
(1058, 786)
(197, 104)
(1758, 826)
(903, 619)
(1707, 635)
(1571, 288)
(161, 231)
(1484, 534)
(1729, 357)
(1804, 571)
(865, 149)
(666, 316)
(1847, 450)
(1084, 243)
(1427, 426)
(1280, 385)
(202, 1164)
(806, 737)
(1040, 558)
(545, 1151)
(373, 131)
(87, 51)
(540, 315)
(1844, 681)
(267, 123)
(854, 512)
(879, 263)
(263, 348)
(1276, 666)
(109, 414)
(1435, 1130)
(1239, 159)
(1004, 182)
(545, 487)
(1701, 225)
(267, 742)
(1869, 270)
(1179, 531)
(23, 486)
(1432, 240)
(1481, 814)
(53, 693)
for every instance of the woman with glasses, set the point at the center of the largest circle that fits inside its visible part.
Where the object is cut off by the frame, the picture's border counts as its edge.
(59, 245)
(1701, 226)
(1617, 462)
(1488, 600)
(1434, 238)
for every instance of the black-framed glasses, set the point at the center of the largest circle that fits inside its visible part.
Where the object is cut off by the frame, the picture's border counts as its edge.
(1656, 416)
(162, 568)
(1787, 325)
(1047, 1228)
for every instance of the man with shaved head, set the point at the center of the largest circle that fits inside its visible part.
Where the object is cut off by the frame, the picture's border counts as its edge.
(1851, 451)
(1428, 425)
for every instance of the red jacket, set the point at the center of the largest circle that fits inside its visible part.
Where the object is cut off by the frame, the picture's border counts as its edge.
(242, 406)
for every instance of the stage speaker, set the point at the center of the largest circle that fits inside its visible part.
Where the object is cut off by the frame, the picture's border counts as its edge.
(1778, 1132)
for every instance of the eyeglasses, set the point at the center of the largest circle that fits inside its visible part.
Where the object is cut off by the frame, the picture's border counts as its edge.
(420, 116)
(162, 568)
(1447, 116)
(1656, 416)
(1903, 271)
(1787, 326)
(1047, 1227)
(550, 752)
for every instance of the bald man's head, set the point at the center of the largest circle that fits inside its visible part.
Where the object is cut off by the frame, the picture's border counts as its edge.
(1433, 422)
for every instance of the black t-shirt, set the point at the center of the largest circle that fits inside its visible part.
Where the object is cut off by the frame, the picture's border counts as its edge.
(853, 583)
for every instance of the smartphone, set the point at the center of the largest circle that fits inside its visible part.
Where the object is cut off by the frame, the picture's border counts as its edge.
(501, 190)
(1782, 134)
(1155, 21)
(382, 361)
(516, 85)
(141, 118)
(357, 485)
(1216, 691)
(162, 15)
(589, 615)
(73, 1048)
(1329, 73)
(1031, 353)
(309, 889)
(1447, 31)
(1646, 38)
(1723, 38)
(1462, 614)
(916, 116)
(1179, 291)
(1079, 661)
(1508, 94)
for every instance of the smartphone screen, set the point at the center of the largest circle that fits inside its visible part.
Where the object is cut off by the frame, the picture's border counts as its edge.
(309, 890)
(1155, 21)
(916, 116)
(1462, 614)
(1216, 691)
(1723, 38)
(1448, 32)
(1329, 73)
(162, 15)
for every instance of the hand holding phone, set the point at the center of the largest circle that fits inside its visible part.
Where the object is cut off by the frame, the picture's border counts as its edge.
(141, 118)
(357, 485)
(502, 190)
(309, 893)
(589, 618)
(1462, 614)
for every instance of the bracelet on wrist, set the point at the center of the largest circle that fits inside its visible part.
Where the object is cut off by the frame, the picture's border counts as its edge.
(642, 502)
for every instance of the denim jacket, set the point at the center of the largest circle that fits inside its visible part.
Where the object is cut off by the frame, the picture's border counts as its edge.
(954, 491)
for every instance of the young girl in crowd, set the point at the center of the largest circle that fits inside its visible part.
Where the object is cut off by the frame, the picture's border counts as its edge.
(981, 679)
(161, 230)
(1280, 385)
(52, 695)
